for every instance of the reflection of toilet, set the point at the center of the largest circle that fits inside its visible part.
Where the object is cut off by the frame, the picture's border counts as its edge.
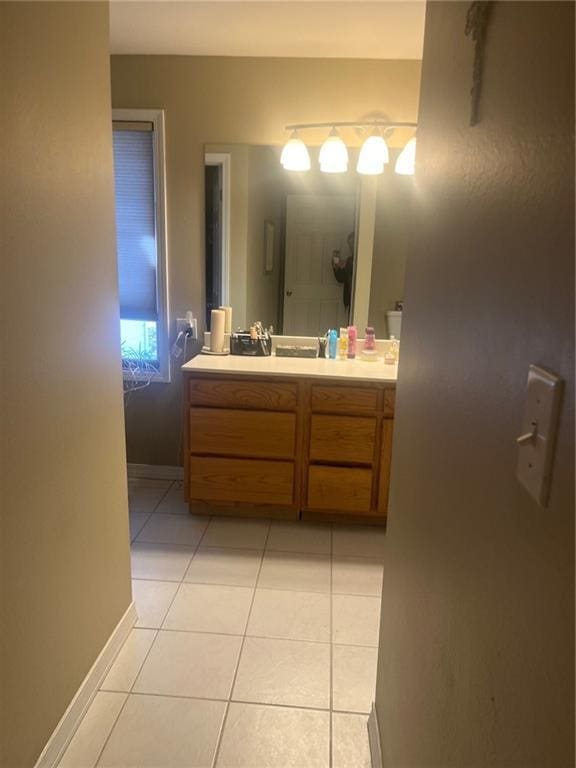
(394, 322)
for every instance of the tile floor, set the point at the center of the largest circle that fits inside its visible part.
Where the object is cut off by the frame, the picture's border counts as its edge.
(255, 645)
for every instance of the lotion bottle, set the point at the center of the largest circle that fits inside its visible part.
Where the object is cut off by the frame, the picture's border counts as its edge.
(343, 344)
(332, 344)
(352, 337)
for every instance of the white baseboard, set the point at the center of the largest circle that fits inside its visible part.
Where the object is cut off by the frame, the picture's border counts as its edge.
(71, 719)
(155, 472)
(374, 738)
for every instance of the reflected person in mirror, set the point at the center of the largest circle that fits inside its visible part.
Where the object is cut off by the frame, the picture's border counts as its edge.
(344, 269)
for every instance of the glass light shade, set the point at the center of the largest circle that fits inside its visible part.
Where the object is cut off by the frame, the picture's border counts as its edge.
(373, 156)
(295, 155)
(406, 161)
(333, 154)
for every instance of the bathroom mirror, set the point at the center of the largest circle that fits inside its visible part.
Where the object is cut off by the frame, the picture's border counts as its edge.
(303, 252)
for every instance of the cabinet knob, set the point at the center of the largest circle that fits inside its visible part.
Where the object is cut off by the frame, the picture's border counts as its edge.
(288, 293)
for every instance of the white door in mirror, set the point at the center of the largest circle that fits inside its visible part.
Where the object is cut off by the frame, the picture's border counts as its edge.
(538, 433)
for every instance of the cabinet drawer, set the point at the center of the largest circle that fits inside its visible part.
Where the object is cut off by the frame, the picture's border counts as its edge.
(238, 393)
(344, 399)
(346, 489)
(342, 438)
(241, 480)
(242, 433)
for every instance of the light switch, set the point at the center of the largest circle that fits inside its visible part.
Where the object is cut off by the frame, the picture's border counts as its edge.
(538, 433)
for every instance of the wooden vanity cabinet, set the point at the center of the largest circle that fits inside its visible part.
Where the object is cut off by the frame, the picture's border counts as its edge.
(288, 448)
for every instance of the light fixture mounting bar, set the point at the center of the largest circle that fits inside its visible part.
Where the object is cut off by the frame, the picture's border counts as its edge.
(352, 124)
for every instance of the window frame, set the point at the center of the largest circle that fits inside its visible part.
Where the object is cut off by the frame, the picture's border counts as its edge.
(156, 117)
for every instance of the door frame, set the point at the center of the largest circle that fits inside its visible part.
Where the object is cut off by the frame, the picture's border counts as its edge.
(223, 160)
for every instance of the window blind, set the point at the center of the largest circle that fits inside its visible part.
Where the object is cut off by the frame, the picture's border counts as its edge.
(135, 220)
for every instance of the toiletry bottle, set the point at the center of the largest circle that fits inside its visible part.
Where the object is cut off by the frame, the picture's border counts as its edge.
(369, 347)
(369, 339)
(332, 344)
(352, 336)
(343, 344)
(392, 352)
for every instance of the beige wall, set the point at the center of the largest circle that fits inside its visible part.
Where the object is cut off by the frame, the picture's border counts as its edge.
(476, 648)
(65, 564)
(227, 100)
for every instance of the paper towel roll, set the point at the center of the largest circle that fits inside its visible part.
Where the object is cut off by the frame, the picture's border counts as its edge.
(217, 321)
(228, 320)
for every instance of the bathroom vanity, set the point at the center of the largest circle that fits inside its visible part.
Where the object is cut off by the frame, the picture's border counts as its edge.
(288, 438)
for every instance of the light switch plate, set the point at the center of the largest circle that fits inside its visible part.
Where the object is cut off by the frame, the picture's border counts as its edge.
(538, 434)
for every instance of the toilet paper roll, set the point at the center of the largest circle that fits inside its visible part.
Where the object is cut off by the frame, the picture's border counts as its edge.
(228, 320)
(217, 321)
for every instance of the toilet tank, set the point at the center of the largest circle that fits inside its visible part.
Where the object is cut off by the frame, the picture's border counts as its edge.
(394, 323)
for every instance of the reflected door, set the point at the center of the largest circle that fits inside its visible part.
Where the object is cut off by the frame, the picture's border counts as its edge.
(213, 238)
(316, 227)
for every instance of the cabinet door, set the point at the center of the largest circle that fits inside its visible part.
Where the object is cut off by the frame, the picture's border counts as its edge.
(242, 393)
(339, 489)
(385, 460)
(241, 480)
(346, 439)
(343, 399)
(253, 434)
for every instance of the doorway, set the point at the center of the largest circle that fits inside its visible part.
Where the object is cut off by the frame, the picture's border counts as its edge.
(317, 288)
(217, 231)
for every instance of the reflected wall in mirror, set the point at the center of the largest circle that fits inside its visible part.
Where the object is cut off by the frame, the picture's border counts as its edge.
(302, 252)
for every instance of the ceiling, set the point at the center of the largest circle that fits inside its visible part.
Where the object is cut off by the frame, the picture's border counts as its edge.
(284, 28)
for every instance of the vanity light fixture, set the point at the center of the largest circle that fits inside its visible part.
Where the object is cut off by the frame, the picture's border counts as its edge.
(406, 162)
(373, 155)
(295, 155)
(333, 155)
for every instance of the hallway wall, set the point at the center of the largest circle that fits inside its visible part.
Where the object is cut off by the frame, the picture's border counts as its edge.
(476, 648)
(65, 559)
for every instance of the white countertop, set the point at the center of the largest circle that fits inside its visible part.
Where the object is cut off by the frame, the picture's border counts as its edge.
(317, 368)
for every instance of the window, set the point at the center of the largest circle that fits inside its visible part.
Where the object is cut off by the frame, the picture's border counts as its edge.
(138, 140)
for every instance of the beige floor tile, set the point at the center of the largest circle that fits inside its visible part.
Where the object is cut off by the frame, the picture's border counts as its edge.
(173, 502)
(210, 608)
(164, 732)
(173, 529)
(357, 576)
(152, 600)
(236, 532)
(224, 565)
(160, 562)
(137, 521)
(296, 572)
(295, 615)
(353, 678)
(144, 499)
(190, 664)
(299, 537)
(89, 739)
(286, 672)
(127, 664)
(274, 737)
(358, 541)
(355, 619)
(350, 745)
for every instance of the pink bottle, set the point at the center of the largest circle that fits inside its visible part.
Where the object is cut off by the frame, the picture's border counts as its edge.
(352, 338)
